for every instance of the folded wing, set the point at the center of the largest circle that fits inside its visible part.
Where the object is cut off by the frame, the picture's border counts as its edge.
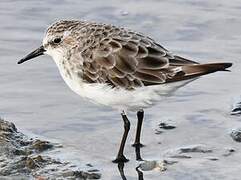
(130, 60)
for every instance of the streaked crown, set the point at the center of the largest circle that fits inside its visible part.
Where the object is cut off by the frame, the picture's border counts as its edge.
(61, 36)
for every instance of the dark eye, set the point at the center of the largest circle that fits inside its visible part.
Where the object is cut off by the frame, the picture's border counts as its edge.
(57, 40)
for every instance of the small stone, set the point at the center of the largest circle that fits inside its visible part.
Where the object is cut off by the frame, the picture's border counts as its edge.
(86, 175)
(195, 148)
(68, 174)
(236, 134)
(155, 165)
(236, 110)
(181, 152)
(166, 126)
(3, 165)
(93, 170)
(158, 131)
(89, 165)
(39, 158)
(19, 152)
(231, 150)
(148, 165)
(24, 143)
(169, 162)
(124, 13)
(228, 152)
(7, 126)
(212, 158)
(41, 145)
(161, 166)
(41, 178)
(180, 156)
(30, 163)
(72, 166)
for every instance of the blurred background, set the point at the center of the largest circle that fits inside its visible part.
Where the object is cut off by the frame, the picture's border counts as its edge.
(35, 98)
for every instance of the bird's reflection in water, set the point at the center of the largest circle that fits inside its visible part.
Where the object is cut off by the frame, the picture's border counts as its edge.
(138, 158)
(122, 173)
(121, 170)
(140, 174)
(138, 153)
(144, 166)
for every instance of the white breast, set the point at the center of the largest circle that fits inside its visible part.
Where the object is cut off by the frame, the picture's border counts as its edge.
(120, 99)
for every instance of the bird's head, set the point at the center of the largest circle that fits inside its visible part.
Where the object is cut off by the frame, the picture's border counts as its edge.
(59, 38)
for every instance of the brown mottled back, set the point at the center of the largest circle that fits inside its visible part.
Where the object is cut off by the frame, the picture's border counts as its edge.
(125, 59)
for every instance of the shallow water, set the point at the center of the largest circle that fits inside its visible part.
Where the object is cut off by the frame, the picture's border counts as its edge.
(36, 99)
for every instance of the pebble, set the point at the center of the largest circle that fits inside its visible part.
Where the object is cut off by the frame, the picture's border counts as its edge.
(181, 152)
(40, 146)
(166, 126)
(236, 134)
(236, 109)
(212, 158)
(229, 152)
(124, 13)
(151, 165)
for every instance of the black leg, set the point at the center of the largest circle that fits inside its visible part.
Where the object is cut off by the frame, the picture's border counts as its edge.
(138, 153)
(140, 116)
(121, 170)
(120, 156)
(140, 174)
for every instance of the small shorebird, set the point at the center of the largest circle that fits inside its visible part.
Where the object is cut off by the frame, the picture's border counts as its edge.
(117, 67)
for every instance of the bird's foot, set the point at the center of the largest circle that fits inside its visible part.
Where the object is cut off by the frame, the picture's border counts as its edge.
(139, 159)
(138, 145)
(120, 159)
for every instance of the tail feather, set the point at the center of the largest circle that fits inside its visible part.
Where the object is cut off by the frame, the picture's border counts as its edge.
(196, 70)
(201, 69)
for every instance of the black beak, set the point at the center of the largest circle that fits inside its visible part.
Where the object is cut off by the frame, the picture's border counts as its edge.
(38, 52)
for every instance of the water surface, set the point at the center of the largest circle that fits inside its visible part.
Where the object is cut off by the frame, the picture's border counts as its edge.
(36, 99)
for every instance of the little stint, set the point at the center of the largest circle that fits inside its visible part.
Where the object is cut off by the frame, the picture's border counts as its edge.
(117, 67)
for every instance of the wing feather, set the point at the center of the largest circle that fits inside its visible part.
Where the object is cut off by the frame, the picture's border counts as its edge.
(125, 59)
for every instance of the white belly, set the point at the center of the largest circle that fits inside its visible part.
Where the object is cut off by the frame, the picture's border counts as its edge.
(120, 99)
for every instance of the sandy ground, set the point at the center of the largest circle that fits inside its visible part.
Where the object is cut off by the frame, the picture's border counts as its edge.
(35, 98)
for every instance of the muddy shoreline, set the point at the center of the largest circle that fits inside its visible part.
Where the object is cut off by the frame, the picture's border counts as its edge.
(22, 157)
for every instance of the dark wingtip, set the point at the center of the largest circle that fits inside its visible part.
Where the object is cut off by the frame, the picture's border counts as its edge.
(227, 65)
(218, 66)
